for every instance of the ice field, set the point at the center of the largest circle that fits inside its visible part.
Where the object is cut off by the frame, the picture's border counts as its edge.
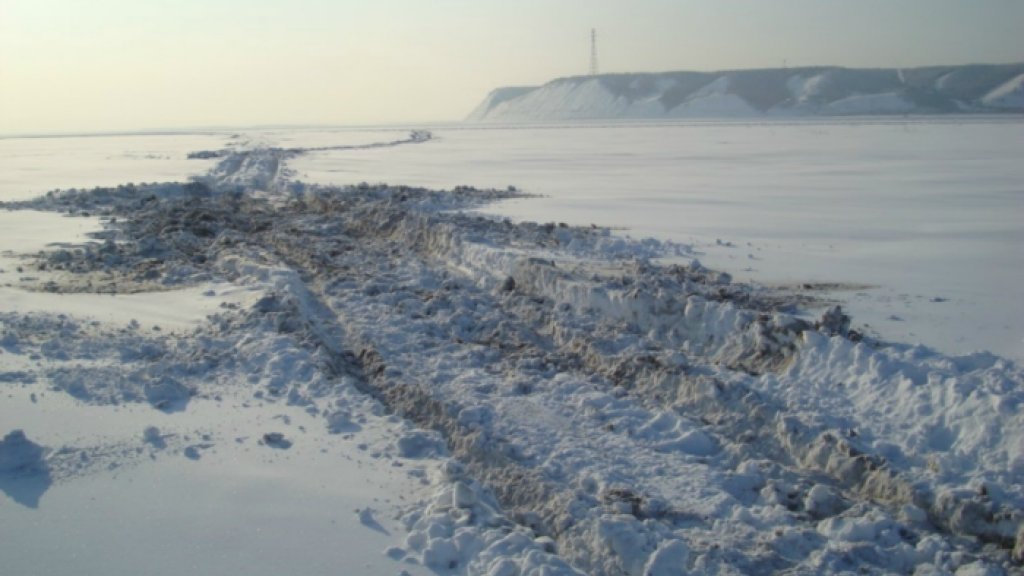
(599, 348)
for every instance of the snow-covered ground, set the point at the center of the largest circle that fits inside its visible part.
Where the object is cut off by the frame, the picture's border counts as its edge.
(917, 222)
(251, 373)
(762, 93)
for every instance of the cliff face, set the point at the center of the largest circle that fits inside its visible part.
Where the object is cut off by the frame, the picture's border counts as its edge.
(829, 91)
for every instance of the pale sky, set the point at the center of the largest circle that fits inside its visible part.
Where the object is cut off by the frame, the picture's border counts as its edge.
(108, 65)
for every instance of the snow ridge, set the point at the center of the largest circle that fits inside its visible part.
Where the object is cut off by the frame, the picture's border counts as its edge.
(749, 341)
(829, 91)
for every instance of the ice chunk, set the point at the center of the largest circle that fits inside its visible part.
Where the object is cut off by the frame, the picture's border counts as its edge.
(24, 474)
(822, 502)
(668, 560)
(151, 435)
(18, 454)
(418, 445)
(341, 421)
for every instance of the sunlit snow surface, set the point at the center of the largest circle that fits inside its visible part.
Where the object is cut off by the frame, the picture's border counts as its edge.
(920, 219)
(214, 388)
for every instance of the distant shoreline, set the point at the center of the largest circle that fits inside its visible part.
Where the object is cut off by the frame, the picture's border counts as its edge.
(763, 93)
(866, 119)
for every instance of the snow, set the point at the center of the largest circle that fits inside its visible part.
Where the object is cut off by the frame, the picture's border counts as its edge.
(380, 379)
(812, 91)
(30, 231)
(496, 97)
(233, 507)
(807, 94)
(585, 98)
(591, 98)
(713, 101)
(887, 103)
(1008, 95)
(27, 170)
(875, 212)
(19, 455)
(803, 89)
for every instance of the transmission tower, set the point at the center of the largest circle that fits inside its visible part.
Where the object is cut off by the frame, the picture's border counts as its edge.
(593, 52)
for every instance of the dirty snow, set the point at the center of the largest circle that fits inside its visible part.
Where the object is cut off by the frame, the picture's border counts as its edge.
(380, 379)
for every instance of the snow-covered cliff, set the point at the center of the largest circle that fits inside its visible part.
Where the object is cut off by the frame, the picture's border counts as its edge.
(768, 92)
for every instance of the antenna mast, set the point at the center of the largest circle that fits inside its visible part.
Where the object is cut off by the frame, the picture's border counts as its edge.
(593, 52)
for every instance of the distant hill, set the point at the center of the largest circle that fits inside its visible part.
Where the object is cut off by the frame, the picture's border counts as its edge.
(826, 90)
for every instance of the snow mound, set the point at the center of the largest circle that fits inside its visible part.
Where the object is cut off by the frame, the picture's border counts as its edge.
(462, 530)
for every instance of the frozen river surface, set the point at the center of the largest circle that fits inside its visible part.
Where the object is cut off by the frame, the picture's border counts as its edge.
(920, 221)
(373, 379)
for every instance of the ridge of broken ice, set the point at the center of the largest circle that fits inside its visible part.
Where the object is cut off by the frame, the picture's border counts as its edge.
(604, 413)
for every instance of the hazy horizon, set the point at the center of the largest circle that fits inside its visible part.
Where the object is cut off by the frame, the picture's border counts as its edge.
(116, 65)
